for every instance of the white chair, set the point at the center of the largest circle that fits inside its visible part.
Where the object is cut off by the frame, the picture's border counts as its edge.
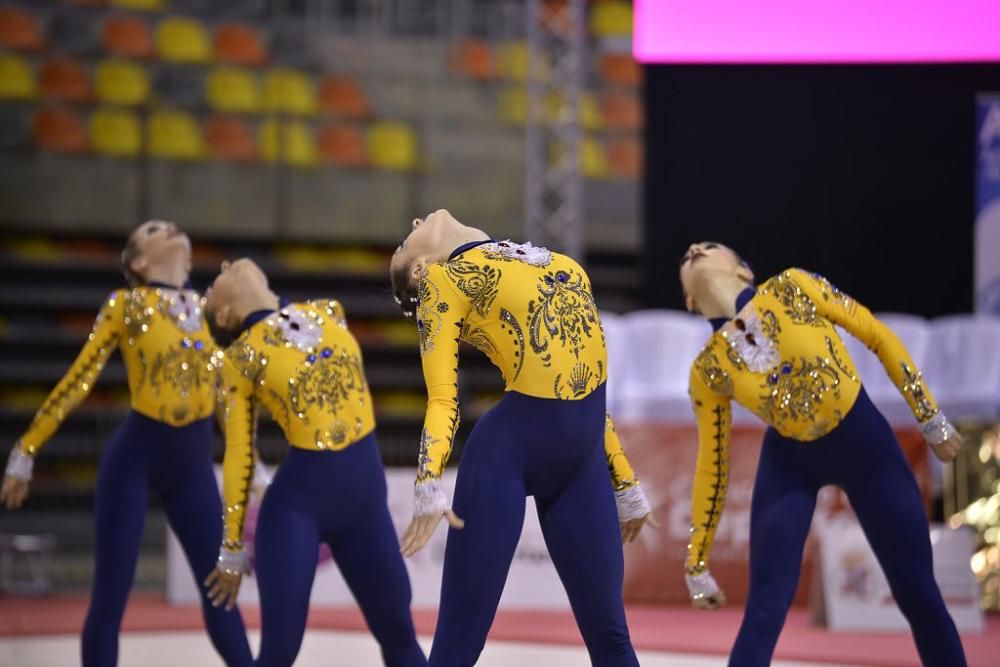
(662, 345)
(964, 370)
(615, 337)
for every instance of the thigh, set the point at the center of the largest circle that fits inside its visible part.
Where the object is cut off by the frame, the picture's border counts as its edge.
(194, 512)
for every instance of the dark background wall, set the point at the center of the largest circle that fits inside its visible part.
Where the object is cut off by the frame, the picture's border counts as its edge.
(864, 174)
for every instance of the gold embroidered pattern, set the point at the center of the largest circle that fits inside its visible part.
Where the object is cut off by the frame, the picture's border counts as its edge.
(580, 379)
(712, 373)
(480, 284)
(565, 311)
(798, 306)
(719, 487)
(326, 383)
(428, 314)
(916, 394)
(509, 322)
(617, 482)
(794, 392)
(246, 358)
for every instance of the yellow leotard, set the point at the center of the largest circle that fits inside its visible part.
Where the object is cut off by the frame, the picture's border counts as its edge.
(781, 358)
(532, 312)
(168, 355)
(303, 365)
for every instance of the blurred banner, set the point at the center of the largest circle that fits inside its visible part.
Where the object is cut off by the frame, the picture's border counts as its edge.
(532, 582)
(987, 233)
(664, 456)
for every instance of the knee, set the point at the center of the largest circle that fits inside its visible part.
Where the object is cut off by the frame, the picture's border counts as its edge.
(765, 619)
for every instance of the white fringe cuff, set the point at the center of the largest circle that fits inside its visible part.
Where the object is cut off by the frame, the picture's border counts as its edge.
(233, 562)
(632, 503)
(937, 429)
(19, 464)
(701, 586)
(429, 497)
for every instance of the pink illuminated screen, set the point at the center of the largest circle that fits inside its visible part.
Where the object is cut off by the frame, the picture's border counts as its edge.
(816, 31)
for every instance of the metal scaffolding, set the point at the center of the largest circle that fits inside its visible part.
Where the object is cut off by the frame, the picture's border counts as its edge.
(553, 182)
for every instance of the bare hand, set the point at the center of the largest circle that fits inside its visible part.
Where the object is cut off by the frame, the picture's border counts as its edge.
(631, 528)
(422, 527)
(716, 600)
(948, 450)
(223, 587)
(14, 491)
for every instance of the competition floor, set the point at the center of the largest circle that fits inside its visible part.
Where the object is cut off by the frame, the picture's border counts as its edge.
(43, 633)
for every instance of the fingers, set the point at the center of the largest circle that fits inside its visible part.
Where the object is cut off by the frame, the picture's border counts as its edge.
(212, 576)
(651, 518)
(419, 532)
(454, 521)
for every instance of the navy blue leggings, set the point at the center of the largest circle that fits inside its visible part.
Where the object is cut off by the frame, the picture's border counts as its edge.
(553, 450)
(338, 498)
(863, 457)
(146, 455)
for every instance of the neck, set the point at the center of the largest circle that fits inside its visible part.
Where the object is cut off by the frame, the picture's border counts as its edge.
(457, 236)
(252, 301)
(174, 275)
(718, 298)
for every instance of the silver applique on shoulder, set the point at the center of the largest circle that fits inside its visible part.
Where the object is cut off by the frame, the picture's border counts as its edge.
(524, 252)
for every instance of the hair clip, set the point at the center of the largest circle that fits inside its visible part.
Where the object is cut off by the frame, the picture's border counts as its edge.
(399, 302)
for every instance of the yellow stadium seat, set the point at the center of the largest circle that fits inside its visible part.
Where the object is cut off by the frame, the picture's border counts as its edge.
(392, 145)
(121, 82)
(513, 62)
(115, 132)
(17, 80)
(289, 91)
(591, 117)
(512, 105)
(140, 5)
(592, 158)
(289, 141)
(174, 135)
(183, 40)
(611, 19)
(233, 90)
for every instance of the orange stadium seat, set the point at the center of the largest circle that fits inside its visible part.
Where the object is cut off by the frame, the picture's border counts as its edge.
(20, 30)
(474, 58)
(127, 36)
(625, 157)
(620, 69)
(343, 96)
(230, 138)
(59, 130)
(65, 79)
(239, 44)
(621, 110)
(343, 145)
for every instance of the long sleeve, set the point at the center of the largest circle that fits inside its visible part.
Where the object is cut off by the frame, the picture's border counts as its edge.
(713, 414)
(238, 463)
(630, 498)
(440, 315)
(622, 475)
(79, 380)
(841, 309)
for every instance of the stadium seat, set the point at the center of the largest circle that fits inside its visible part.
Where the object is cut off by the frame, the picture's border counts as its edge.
(17, 80)
(625, 157)
(343, 96)
(288, 141)
(593, 158)
(183, 40)
(140, 5)
(512, 105)
(59, 130)
(65, 79)
(174, 135)
(621, 110)
(289, 91)
(473, 58)
(21, 31)
(512, 62)
(662, 346)
(115, 133)
(342, 145)
(620, 69)
(611, 19)
(392, 146)
(233, 90)
(230, 138)
(127, 36)
(239, 44)
(121, 82)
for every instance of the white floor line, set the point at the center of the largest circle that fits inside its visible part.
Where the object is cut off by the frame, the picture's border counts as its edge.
(320, 648)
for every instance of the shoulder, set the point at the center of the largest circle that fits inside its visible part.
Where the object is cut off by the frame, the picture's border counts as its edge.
(331, 308)
(708, 370)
